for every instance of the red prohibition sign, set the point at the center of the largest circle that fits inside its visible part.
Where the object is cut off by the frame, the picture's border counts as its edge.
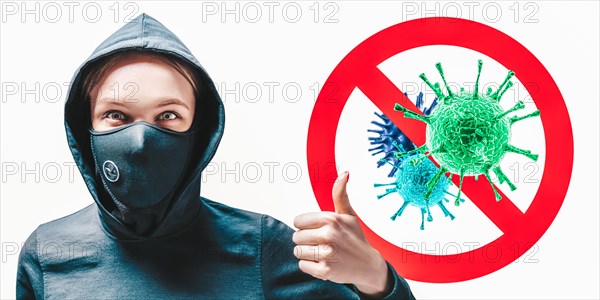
(359, 70)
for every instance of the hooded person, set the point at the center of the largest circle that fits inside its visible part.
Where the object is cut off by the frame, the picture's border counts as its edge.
(149, 233)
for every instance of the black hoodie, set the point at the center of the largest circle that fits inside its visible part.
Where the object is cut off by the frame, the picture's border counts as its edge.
(200, 249)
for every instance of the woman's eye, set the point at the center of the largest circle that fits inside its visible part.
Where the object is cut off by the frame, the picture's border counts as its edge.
(168, 115)
(115, 115)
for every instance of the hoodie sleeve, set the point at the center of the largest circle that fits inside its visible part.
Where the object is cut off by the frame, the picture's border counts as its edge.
(29, 272)
(401, 290)
(283, 279)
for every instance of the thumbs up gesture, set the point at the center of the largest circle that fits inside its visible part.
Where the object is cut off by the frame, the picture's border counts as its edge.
(331, 246)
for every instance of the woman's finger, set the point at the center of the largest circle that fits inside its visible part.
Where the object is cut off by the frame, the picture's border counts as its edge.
(317, 252)
(313, 220)
(321, 235)
(319, 270)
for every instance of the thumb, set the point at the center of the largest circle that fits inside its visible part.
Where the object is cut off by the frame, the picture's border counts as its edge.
(341, 202)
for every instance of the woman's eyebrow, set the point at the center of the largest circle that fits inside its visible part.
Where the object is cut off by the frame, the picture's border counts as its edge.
(173, 101)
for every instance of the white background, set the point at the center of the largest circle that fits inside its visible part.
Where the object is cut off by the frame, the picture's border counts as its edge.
(274, 54)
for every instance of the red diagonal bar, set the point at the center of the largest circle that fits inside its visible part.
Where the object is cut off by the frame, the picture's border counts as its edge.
(384, 94)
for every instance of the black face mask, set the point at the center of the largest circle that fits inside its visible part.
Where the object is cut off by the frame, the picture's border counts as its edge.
(141, 166)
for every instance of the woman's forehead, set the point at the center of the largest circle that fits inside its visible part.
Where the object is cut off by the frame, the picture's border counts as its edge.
(136, 79)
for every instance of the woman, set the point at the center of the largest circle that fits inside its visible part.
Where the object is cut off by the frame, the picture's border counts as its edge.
(143, 119)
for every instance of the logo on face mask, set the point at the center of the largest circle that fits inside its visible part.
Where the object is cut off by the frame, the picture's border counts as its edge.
(111, 172)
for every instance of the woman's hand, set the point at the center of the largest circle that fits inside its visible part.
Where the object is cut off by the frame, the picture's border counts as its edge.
(331, 246)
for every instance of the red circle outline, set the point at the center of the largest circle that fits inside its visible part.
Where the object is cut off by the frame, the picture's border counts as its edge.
(521, 232)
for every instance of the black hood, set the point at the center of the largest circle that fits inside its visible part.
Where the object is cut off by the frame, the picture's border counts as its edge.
(145, 33)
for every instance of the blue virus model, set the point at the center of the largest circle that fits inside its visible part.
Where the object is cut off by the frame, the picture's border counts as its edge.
(411, 173)
(389, 133)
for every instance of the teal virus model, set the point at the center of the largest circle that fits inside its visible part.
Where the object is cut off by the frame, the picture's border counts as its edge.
(411, 181)
(467, 133)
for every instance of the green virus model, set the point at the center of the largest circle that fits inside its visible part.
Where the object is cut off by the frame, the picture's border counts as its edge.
(468, 133)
